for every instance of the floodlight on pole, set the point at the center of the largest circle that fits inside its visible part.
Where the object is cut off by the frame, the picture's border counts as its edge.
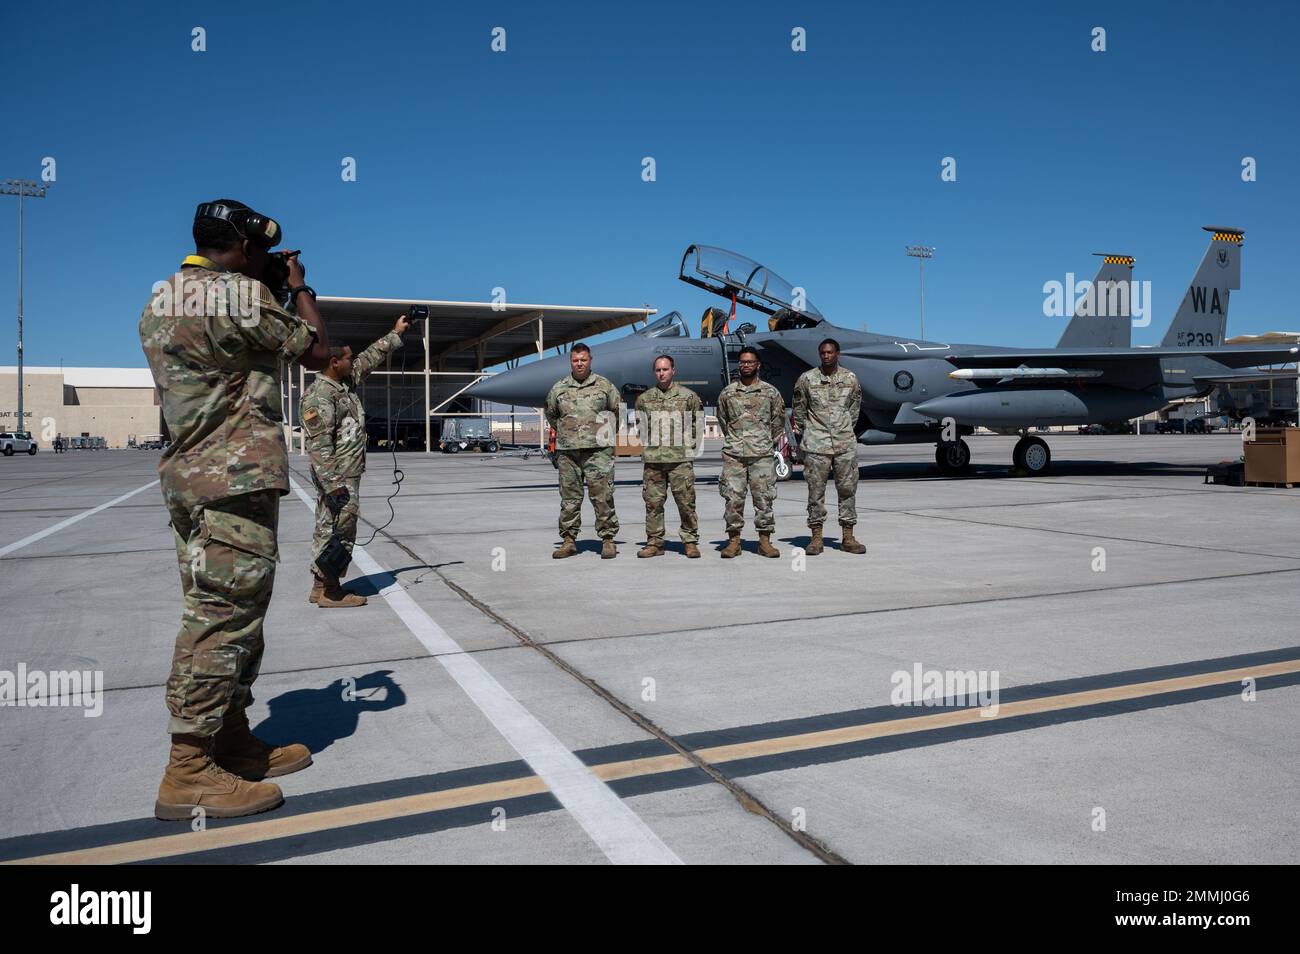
(921, 252)
(23, 188)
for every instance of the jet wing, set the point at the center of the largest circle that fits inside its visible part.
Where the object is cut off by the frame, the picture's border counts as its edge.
(1231, 356)
(1250, 374)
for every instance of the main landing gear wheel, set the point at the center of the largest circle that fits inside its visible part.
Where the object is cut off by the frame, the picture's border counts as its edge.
(953, 457)
(1032, 456)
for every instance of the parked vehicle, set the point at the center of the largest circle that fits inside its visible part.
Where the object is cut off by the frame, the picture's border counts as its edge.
(1183, 425)
(467, 433)
(16, 442)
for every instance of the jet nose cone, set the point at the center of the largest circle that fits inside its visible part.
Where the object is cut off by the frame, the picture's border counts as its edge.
(935, 408)
(526, 385)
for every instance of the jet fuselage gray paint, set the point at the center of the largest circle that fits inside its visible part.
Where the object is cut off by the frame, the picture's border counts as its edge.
(908, 393)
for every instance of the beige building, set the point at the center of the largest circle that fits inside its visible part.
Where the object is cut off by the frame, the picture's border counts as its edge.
(113, 403)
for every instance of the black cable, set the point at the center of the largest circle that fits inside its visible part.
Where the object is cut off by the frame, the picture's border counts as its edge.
(398, 477)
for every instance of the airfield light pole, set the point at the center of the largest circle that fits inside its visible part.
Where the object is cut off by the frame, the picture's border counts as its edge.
(921, 252)
(35, 190)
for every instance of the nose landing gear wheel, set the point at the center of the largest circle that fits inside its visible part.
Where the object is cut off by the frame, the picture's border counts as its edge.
(783, 467)
(1032, 455)
(953, 457)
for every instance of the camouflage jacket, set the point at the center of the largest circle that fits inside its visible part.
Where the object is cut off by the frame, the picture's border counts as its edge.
(826, 411)
(670, 424)
(583, 414)
(334, 420)
(752, 418)
(214, 341)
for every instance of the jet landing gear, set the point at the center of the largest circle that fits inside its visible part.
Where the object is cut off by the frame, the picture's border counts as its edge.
(953, 457)
(1032, 456)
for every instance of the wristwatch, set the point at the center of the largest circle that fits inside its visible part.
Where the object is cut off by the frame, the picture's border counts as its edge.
(293, 292)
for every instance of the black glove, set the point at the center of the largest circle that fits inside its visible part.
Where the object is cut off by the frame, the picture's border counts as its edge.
(336, 500)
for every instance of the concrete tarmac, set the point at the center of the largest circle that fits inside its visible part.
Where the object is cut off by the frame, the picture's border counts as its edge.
(1127, 635)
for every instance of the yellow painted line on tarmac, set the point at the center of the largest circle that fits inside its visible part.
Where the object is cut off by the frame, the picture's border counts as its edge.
(170, 846)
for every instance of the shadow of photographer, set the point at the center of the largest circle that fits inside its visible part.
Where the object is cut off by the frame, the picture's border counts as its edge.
(320, 717)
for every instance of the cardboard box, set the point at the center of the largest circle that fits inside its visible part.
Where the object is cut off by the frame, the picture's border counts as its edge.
(1273, 457)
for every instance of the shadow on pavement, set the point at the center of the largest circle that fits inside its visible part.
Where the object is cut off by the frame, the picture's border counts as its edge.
(320, 717)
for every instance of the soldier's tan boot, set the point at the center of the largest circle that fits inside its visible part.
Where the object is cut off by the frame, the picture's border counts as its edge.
(765, 547)
(335, 597)
(816, 544)
(567, 549)
(652, 548)
(607, 549)
(691, 550)
(849, 543)
(241, 753)
(732, 549)
(317, 588)
(193, 780)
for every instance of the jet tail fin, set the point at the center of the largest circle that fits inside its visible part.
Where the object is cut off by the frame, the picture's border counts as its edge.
(1101, 319)
(1202, 317)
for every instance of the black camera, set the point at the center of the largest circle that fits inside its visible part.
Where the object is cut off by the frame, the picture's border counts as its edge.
(417, 313)
(334, 558)
(276, 276)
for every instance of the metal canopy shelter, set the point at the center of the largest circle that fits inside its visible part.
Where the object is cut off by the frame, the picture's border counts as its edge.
(462, 338)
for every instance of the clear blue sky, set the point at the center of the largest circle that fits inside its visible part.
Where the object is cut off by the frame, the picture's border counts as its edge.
(523, 169)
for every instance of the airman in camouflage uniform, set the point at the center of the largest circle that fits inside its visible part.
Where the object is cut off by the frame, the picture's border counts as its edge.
(583, 409)
(826, 405)
(752, 415)
(215, 338)
(670, 422)
(335, 424)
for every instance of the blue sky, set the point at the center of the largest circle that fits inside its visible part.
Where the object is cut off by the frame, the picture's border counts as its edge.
(523, 169)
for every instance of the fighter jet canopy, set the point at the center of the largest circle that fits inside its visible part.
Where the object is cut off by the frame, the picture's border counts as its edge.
(671, 325)
(727, 273)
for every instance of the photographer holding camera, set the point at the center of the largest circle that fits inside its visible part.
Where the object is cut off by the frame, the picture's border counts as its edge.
(214, 336)
(335, 424)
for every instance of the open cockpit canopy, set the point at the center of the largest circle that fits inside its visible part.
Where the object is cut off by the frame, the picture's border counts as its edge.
(756, 286)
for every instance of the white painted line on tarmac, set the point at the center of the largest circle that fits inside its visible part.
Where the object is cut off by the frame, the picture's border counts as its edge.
(618, 831)
(42, 534)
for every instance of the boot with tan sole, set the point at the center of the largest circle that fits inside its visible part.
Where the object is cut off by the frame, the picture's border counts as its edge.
(335, 597)
(317, 588)
(816, 544)
(732, 549)
(241, 753)
(849, 543)
(193, 780)
(567, 549)
(691, 550)
(765, 547)
(653, 548)
(607, 549)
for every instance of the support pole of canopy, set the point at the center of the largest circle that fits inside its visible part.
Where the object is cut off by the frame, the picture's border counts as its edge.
(427, 376)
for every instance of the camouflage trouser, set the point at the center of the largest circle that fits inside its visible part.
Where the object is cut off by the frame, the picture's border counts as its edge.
(816, 469)
(325, 522)
(758, 476)
(657, 480)
(593, 466)
(227, 554)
